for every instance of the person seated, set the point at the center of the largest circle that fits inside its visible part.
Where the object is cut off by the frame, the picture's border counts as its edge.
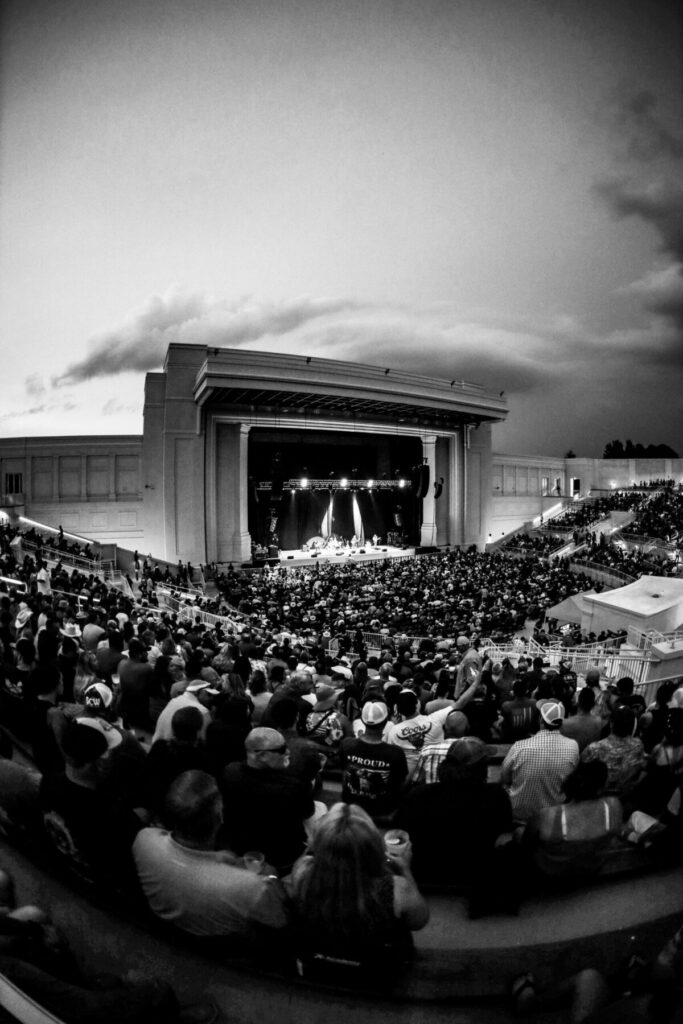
(325, 725)
(457, 824)
(167, 759)
(520, 716)
(414, 730)
(266, 806)
(664, 773)
(625, 696)
(190, 881)
(433, 755)
(622, 752)
(373, 771)
(572, 840)
(91, 829)
(652, 722)
(355, 900)
(306, 760)
(534, 769)
(583, 727)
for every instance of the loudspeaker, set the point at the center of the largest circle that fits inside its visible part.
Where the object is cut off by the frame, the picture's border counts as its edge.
(314, 555)
(273, 561)
(362, 551)
(290, 556)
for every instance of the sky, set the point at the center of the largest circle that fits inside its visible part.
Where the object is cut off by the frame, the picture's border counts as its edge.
(484, 189)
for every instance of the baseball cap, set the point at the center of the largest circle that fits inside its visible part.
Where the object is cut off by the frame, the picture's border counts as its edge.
(97, 697)
(552, 712)
(468, 751)
(374, 713)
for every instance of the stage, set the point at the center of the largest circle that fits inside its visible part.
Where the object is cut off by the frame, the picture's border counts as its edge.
(365, 553)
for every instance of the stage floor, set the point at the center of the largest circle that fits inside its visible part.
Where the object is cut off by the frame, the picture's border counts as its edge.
(367, 554)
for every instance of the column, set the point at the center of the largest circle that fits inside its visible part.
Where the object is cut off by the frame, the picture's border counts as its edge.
(428, 531)
(456, 486)
(112, 477)
(227, 507)
(84, 477)
(242, 537)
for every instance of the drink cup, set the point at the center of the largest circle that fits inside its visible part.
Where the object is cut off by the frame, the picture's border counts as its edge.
(395, 840)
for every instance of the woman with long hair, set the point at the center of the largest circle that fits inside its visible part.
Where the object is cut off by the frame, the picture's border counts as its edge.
(354, 898)
(85, 674)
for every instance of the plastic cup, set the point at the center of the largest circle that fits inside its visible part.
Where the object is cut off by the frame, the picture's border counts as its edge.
(395, 839)
(253, 861)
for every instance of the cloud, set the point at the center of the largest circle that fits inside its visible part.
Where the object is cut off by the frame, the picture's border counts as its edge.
(114, 407)
(646, 135)
(522, 355)
(659, 204)
(661, 292)
(18, 413)
(34, 385)
(140, 342)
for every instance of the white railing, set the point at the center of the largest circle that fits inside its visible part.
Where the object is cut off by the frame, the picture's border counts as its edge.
(18, 585)
(184, 602)
(644, 640)
(54, 555)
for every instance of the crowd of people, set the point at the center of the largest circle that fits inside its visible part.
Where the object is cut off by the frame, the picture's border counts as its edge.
(662, 517)
(278, 787)
(437, 596)
(633, 562)
(117, 705)
(538, 543)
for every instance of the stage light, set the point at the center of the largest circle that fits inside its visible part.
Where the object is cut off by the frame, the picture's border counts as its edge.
(371, 484)
(401, 483)
(303, 483)
(344, 482)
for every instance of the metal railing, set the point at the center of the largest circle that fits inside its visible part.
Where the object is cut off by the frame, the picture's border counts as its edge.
(91, 566)
(601, 573)
(644, 640)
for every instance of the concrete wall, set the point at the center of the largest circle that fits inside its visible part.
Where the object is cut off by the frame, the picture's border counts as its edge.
(89, 485)
(523, 486)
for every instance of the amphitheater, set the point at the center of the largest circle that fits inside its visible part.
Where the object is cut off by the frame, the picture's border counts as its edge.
(263, 462)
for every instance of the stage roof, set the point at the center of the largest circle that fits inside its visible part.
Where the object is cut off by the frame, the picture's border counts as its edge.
(263, 381)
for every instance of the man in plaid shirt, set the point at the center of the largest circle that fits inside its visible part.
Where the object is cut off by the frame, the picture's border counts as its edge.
(534, 769)
(431, 756)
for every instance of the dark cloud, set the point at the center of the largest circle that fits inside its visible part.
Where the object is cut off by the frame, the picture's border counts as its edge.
(646, 135)
(661, 292)
(141, 342)
(660, 204)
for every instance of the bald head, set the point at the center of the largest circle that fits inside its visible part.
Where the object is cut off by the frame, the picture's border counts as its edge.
(266, 748)
(456, 725)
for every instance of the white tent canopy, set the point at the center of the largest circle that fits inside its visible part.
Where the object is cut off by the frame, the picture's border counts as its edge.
(572, 609)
